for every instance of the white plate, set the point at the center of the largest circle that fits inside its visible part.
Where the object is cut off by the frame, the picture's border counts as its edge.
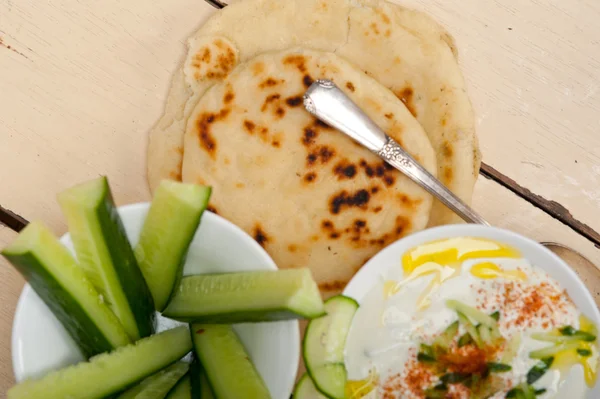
(391, 256)
(40, 343)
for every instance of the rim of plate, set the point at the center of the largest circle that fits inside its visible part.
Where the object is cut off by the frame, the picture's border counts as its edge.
(359, 285)
(236, 230)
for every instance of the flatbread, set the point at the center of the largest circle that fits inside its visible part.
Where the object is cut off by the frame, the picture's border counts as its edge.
(308, 194)
(403, 49)
(424, 74)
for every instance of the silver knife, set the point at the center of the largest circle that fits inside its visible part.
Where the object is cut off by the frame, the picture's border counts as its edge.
(326, 101)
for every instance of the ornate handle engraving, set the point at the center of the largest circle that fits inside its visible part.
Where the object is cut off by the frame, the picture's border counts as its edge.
(392, 153)
(396, 156)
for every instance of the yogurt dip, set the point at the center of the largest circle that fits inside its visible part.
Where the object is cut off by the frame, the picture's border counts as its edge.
(469, 318)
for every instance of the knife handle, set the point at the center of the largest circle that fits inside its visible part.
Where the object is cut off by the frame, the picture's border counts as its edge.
(326, 101)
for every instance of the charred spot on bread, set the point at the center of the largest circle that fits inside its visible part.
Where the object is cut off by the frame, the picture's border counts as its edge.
(344, 199)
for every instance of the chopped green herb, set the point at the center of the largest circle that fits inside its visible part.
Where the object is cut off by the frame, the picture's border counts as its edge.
(453, 378)
(495, 315)
(472, 380)
(539, 391)
(537, 371)
(425, 358)
(440, 387)
(522, 391)
(584, 336)
(568, 330)
(584, 352)
(498, 367)
(427, 349)
(528, 392)
(437, 392)
(433, 394)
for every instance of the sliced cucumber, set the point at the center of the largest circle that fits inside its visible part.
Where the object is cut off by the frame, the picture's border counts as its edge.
(471, 329)
(109, 373)
(473, 313)
(323, 346)
(484, 334)
(183, 389)
(511, 349)
(465, 339)
(157, 385)
(199, 382)
(55, 276)
(104, 253)
(551, 351)
(230, 371)
(305, 389)
(581, 336)
(205, 389)
(538, 370)
(168, 230)
(445, 339)
(246, 297)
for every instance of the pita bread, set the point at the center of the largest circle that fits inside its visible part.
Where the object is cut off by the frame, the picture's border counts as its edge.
(308, 194)
(404, 50)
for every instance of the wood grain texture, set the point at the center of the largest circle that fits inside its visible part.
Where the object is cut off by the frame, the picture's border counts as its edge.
(504, 209)
(94, 76)
(11, 284)
(78, 102)
(552, 208)
(82, 82)
(533, 73)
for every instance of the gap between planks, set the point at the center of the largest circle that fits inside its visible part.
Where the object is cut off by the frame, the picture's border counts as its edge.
(554, 209)
(12, 220)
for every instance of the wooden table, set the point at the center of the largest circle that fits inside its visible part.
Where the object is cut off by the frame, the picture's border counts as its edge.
(81, 82)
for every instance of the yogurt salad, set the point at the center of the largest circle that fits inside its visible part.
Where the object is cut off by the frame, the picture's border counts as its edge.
(469, 318)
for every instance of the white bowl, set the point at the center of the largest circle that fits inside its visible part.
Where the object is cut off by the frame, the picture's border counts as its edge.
(391, 256)
(40, 343)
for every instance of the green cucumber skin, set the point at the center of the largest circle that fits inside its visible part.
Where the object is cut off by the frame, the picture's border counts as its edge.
(185, 248)
(247, 316)
(200, 385)
(130, 276)
(305, 389)
(176, 253)
(158, 385)
(195, 376)
(230, 391)
(206, 391)
(182, 390)
(73, 381)
(321, 388)
(312, 369)
(68, 311)
(252, 296)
